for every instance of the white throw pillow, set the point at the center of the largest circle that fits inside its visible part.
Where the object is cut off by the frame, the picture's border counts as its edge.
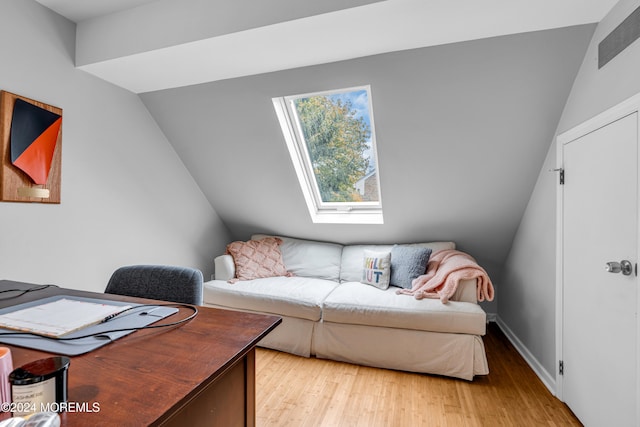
(376, 269)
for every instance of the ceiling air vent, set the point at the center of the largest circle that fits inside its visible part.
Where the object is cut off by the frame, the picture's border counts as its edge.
(619, 39)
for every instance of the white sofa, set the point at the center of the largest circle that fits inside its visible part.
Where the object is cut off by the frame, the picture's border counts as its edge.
(328, 313)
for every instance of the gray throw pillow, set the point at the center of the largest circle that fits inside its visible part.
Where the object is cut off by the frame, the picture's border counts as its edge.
(407, 263)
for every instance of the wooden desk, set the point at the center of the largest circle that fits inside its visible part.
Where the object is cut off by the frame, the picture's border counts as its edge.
(201, 373)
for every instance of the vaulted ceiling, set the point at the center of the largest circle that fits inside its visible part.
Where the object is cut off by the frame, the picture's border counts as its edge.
(466, 96)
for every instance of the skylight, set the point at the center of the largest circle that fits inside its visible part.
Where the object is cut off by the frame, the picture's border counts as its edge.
(331, 140)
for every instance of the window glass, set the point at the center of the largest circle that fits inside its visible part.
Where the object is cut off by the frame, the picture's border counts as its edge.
(331, 140)
(337, 134)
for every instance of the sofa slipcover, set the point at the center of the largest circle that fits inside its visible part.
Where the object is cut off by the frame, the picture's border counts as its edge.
(328, 313)
(354, 304)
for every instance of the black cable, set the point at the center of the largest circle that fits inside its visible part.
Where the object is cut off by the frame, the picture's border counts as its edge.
(137, 328)
(24, 291)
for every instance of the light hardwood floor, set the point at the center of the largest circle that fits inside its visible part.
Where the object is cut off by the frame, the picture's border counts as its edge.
(295, 391)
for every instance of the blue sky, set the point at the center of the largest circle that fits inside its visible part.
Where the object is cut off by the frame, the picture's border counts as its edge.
(360, 103)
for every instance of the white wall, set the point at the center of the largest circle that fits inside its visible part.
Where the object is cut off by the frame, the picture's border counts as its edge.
(596, 90)
(527, 298)
(126, 196)
(461, 131)
(191, 20)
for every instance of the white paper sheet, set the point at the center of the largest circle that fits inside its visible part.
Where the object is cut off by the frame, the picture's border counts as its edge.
(57, 318)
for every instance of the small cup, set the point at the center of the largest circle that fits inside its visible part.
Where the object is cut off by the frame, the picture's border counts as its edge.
(6, 366)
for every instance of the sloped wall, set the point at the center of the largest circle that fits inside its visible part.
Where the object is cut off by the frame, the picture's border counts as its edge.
(126, 196)
(527, 298)
(461, 132)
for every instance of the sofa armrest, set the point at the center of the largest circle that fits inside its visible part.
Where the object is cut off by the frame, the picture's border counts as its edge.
(467, 291)
(225, 268)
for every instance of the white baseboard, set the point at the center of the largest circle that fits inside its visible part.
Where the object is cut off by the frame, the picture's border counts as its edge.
(492, 317)
(547, 379)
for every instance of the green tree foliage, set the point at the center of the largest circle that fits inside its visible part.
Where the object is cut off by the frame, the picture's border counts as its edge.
(336, 140)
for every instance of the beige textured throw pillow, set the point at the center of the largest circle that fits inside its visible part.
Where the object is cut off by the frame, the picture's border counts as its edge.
(256, 259)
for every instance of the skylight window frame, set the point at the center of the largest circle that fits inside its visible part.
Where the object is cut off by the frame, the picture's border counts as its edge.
(365, 212)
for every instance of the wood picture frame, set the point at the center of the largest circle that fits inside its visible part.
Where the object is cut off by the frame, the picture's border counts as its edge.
(15, 184)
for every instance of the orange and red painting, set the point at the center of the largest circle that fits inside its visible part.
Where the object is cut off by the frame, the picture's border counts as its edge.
(31, 143)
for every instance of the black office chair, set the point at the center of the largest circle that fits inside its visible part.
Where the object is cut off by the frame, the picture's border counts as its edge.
(162, 282)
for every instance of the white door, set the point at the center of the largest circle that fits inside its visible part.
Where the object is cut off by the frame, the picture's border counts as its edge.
(599, 307)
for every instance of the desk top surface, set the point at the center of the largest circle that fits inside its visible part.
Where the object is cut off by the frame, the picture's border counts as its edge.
(138, 379)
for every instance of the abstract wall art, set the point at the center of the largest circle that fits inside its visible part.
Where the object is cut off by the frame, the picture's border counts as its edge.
(31, 144)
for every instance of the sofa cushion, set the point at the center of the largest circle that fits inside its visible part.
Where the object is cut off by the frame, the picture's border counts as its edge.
(308, 258)
(358, 304)
(299, 297)
(351, 265)
(407, 263)
(376, 269)
(257, 258)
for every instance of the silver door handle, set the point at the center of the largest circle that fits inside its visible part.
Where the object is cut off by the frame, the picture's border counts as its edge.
(623, 267)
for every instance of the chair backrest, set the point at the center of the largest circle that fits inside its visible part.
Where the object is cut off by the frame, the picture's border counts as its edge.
(163, 282)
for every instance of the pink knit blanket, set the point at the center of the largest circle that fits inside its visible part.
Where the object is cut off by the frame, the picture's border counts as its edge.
(445, 270)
